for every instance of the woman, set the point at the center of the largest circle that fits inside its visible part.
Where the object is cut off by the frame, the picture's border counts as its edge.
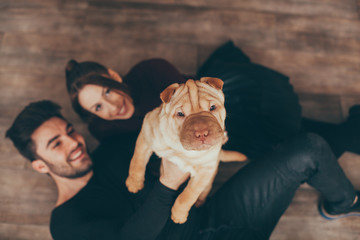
(261, 105)
(107, 101)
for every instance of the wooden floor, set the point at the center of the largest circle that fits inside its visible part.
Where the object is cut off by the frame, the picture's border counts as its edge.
(316, 43)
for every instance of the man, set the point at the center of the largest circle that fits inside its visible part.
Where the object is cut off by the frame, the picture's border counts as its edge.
(93, 202)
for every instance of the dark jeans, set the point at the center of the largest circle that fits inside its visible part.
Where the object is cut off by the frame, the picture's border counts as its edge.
(250, 204)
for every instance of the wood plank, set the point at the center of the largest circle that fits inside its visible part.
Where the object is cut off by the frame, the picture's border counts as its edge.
(328, 8)
(26, 197)
(25, 212)
(43, 4)
(10, 158)
(311, 72)
(1, 38)
(316, 42)
(302, 221)
(350, 162)
(29, 185)
(10, 231)
(50, 52)
(42, 19)
(321, 107)
(177, 25)
(327, 27)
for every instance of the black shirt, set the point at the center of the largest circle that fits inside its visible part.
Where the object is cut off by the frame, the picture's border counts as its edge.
(104, 209)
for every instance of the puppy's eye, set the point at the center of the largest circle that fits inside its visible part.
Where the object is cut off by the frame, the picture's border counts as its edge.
(180, 114)
(212, 107)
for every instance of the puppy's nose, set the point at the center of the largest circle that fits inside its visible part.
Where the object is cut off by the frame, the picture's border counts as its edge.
(202, 134)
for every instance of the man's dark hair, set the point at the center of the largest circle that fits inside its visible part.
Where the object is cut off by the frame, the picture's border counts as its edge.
(28, 120)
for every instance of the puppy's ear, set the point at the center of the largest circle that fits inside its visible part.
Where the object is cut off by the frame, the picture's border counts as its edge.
(168, 92)
(214, 82)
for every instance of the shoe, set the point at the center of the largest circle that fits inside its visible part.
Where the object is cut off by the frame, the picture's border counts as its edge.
(353, 211)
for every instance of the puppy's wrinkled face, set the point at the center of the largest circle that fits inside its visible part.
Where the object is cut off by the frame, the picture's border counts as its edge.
(196, 112)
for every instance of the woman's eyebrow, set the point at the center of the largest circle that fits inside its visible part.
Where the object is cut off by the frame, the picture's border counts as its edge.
(69, 125)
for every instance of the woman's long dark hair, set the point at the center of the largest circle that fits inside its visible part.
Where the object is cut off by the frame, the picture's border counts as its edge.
(78, 75)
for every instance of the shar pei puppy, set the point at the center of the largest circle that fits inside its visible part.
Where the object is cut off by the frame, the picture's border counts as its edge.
(188, 129)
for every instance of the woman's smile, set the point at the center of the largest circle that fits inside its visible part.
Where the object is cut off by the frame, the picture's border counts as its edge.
(122, 109)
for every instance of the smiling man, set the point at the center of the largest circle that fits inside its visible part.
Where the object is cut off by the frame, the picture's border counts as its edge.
(93, 202)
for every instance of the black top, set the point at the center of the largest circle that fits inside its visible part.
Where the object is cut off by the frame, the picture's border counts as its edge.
(104, 209)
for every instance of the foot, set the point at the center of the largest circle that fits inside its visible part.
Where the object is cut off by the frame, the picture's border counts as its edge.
(353, 211)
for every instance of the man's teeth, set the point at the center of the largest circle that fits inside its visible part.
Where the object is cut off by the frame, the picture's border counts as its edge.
(76, 155)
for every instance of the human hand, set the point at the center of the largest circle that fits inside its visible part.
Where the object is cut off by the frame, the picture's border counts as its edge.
(171, 175)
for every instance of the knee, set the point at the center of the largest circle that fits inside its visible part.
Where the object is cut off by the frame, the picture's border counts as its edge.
(316, 141)
(305, 152)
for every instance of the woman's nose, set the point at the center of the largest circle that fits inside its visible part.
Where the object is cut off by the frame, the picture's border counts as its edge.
(111, 106)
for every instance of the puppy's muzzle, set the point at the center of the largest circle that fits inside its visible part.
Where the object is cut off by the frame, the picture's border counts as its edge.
(201, 131)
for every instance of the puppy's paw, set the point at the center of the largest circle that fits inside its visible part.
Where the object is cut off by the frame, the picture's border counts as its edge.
(134, 184)
(179, 216)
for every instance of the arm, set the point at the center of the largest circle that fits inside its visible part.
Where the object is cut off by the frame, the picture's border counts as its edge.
(162, 196)
(79, 222)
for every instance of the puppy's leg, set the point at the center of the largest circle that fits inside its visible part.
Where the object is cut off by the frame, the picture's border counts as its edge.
(142, 153)
(188, 197)
(232, 156)
(202, 198)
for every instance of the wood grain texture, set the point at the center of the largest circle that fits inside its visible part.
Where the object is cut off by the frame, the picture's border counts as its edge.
(325, 108)
(315, 43)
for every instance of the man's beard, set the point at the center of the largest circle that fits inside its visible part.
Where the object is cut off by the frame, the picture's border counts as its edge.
(68, 171)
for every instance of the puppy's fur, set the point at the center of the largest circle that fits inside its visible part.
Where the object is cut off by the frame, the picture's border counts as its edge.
(188, 129)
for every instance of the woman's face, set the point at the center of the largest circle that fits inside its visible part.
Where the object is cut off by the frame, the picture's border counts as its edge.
(106, 103)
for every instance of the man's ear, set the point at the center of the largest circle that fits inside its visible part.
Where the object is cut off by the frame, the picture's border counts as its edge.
(40, 166)
(114, 75)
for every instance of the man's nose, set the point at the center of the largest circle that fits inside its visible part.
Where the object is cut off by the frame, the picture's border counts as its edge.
(72, 142)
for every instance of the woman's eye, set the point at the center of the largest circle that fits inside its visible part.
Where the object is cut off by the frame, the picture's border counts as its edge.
(107, 92)
(98, 107)
(212, 107)
(71, 131)
(180, 114)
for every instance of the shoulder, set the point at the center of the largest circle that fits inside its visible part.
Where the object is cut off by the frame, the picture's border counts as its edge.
(153, 62)
(151, 66)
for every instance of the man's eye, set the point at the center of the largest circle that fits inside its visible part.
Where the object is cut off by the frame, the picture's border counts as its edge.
(180, 114)
(212, 107)
(57, 144)
(98, 107)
